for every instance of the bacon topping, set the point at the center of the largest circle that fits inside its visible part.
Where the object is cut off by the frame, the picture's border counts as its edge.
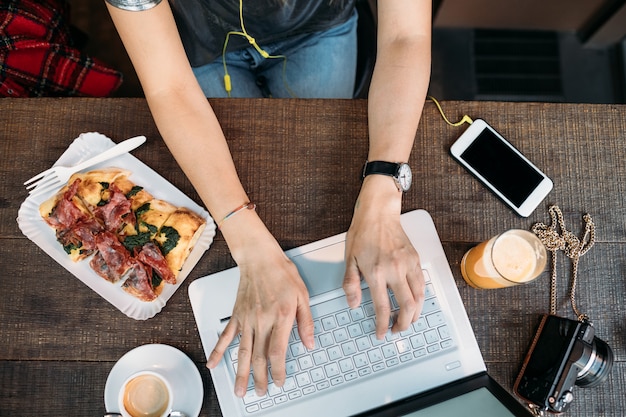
(66, 213)
(82, 235)
(87, 230)
(113, 259)
(139, 282)
(152, 257)
(116, 211)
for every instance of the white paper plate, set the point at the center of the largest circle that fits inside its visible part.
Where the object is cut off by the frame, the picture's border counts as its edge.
(170, 362)
(36, 229)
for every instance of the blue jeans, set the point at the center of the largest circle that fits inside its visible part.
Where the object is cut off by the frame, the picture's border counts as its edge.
(317, 65)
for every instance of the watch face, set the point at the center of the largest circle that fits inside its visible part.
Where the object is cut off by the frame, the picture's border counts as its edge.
(405, 176)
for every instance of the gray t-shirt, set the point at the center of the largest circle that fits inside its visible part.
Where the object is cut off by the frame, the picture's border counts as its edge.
(203, 24)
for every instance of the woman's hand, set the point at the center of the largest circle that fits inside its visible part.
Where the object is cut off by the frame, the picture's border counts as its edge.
(378, 249)
(271, 295)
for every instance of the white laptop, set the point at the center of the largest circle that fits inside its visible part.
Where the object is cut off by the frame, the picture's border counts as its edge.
(433, 369)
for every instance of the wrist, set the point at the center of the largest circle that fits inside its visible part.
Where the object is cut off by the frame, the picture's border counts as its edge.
(379, 195)
(245, 206)
(400, 172)
(243, 231)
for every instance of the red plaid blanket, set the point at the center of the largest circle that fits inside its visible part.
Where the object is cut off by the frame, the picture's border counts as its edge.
(38, 57)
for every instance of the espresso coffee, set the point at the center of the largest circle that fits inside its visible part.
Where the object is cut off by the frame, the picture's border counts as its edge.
(146, 395)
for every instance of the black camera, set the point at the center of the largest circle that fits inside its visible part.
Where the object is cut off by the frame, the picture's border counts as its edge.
(563, 353)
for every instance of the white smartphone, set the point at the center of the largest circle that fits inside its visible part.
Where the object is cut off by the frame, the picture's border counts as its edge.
(501, 167)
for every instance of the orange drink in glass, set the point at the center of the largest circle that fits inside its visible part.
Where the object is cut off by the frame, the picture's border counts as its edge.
(512, 258)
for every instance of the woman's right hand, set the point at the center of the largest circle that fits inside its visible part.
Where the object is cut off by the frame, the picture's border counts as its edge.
(271, 295)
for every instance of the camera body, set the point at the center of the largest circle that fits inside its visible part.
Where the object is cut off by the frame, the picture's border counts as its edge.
(563, 353)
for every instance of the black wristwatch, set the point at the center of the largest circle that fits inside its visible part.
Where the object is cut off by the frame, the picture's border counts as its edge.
(399, 171)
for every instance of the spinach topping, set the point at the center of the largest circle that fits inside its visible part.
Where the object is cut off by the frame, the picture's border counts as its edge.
(133, 191)
(156, 280)
(72, 246)
(138, 240)
(105, 186)
(168, 239)
(142, 209)
(151, 228)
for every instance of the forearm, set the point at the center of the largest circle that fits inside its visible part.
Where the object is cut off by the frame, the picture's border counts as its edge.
(193, 134)
(184, 116)
(396, 98)
(401, 76)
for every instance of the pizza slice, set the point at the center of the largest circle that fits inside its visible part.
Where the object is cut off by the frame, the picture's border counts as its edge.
(72, 221)
(178, 235)
(64, 208)
(94, 184)
(152, 214)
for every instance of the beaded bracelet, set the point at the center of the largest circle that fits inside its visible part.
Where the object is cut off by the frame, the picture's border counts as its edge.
(248, 205)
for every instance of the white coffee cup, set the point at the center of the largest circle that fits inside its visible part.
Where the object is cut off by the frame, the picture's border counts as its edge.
(145, 394)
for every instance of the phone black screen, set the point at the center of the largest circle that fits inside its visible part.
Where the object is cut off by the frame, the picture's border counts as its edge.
(502, 167)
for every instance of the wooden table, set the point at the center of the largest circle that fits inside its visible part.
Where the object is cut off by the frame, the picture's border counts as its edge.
(300, 161)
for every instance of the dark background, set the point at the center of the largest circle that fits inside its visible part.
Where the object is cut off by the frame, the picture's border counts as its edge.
(535, 50)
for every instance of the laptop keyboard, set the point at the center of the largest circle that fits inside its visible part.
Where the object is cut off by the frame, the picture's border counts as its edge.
(347, 350)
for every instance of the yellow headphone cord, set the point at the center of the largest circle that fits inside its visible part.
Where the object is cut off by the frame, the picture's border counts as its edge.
(465, 119)
(261, 51)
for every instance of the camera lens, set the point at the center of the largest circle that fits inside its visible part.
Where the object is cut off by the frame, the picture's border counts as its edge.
(598, 365)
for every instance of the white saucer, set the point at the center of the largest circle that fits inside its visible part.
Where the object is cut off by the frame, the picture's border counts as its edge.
(173, 364)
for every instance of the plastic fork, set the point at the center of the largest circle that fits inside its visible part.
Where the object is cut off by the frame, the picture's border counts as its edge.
(53, 177)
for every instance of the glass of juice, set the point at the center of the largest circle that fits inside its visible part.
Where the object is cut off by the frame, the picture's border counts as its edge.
(510, 258)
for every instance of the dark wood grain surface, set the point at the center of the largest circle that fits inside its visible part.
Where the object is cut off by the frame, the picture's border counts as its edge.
(300, 162)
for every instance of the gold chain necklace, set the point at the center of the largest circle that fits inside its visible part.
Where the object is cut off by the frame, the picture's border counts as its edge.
(573, 248)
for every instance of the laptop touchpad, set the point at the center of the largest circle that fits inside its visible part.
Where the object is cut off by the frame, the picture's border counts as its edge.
(322, 269)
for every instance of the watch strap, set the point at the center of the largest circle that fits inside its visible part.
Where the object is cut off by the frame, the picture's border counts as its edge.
(380, 167)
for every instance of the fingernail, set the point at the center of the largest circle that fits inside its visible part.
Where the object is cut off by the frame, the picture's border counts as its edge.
(239, 392)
